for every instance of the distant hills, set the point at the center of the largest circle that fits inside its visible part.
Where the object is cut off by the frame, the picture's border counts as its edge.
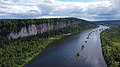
(108, 23)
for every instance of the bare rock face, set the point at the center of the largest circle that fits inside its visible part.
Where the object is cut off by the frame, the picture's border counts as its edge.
(39, 28)
(31, 30)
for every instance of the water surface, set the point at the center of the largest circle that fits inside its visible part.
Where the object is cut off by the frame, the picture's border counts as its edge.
(63, 53)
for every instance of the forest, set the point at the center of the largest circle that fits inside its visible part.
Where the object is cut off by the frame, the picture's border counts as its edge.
(15, 52)
(111, 46)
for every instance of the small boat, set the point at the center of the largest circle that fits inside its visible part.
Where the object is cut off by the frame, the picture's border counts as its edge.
(77, 56)
(87, 37)
(85, 41)
(82, 47)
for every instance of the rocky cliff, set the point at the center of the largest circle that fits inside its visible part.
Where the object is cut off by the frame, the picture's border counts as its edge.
(34, 29)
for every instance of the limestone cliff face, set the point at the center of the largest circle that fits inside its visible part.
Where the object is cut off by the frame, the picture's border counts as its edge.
(31, 30)
(39, 28)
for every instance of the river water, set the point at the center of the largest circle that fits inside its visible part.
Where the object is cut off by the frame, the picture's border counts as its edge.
(62, 53)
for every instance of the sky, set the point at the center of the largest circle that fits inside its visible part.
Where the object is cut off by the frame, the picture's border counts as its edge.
(92, 10)
(78, 0)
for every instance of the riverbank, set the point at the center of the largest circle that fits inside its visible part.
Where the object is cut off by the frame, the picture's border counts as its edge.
(48, 41)
(110, 40)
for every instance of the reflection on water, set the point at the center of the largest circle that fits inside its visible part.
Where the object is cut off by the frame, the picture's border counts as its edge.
(73, 51)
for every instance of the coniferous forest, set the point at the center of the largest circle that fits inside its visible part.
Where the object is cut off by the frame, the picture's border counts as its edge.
(23, 39)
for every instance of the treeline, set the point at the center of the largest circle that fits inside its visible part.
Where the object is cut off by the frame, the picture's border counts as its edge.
(17, 52)
(111, 46)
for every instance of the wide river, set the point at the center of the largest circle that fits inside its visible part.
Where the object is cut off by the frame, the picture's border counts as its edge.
(79, 50)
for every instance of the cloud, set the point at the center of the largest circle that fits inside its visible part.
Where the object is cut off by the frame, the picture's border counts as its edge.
(97, 10)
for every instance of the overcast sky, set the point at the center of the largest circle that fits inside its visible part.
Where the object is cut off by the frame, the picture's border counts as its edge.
(85, 9)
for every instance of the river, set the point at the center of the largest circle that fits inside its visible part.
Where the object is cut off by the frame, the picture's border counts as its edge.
(62, 53)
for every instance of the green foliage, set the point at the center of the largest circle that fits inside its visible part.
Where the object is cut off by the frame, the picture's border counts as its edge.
(17, 52)
(111, 46)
